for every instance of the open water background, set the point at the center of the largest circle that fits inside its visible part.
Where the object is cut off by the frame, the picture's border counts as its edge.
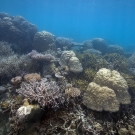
(113, 20)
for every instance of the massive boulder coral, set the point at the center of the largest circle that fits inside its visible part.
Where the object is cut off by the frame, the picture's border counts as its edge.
(43, 41)
(100, 98)
(18, 31)
(69, 59)
(113, 80)
(88, 44)
(5, 49)
(75, 65)
(115, 49)
(107, 88)
(131, 61)
(64, 59)
(63, 42)
(99, 44)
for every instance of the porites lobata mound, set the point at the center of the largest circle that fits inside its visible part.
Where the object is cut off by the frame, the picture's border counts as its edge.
(107, 91)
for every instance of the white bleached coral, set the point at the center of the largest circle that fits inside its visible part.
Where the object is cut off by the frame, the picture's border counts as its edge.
(24, 110)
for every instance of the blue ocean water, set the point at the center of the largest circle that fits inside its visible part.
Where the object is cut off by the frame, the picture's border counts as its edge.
(113, 20)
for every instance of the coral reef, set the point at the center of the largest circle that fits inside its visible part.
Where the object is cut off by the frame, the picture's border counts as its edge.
(12, 65)
(92, 61)
(64, 42)
(99, 44)
(115, 49)
(16, 30)
(48, 69)
(113, 80)
(5, 49)
(16, 81)
(87, 44)
(43, 41)
(84, 91)
(75, 65)
(131, 61)
(107, 91)
(81, 80)
(131, 83)
(71, 91)
(68, 58)
(44, 92)
(100, 98)
(92, 51)
(40, 57)
(117, 62)
(65, 56)
(32, 76)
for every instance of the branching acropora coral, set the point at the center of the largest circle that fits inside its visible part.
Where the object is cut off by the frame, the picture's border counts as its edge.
(45, 93)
